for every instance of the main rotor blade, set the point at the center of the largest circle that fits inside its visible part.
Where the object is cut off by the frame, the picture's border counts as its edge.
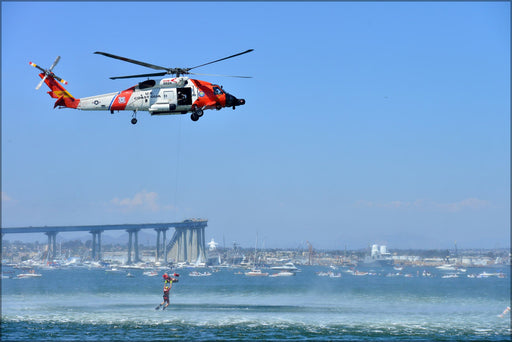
(218, 60)
(141, 75)
(147, 65)
(194, 73)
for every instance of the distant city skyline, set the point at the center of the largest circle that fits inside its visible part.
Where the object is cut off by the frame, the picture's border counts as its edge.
(148, 238)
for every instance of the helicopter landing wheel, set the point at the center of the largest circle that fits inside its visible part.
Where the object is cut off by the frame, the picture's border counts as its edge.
(194, 117)
(134, 117)
(199, 112)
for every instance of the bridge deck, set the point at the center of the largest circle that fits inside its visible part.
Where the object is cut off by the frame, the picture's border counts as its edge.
(191, 224)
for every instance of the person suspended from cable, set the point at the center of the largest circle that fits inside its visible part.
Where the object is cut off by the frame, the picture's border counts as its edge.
(167, 288)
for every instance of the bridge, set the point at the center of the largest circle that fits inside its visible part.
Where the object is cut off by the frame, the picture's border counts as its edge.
(186, 245)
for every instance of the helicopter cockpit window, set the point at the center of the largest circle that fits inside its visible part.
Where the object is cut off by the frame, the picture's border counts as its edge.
(217, 91)
(147, 84)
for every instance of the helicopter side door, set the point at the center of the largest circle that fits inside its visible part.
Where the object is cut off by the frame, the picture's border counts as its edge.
(184, 96)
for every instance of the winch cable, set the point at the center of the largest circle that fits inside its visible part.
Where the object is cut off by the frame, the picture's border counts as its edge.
(177, 171)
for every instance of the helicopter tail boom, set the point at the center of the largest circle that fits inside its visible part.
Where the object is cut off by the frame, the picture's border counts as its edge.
(65, 99)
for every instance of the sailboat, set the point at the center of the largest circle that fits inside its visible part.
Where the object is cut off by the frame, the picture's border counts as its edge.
(254, 272)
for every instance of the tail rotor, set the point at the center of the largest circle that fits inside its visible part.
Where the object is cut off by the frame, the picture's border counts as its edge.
(48, 72)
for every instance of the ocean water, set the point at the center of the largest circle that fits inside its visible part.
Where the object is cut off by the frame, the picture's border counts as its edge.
(93, 305)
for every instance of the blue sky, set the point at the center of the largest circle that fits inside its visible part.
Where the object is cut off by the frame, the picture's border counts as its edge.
(365, 122)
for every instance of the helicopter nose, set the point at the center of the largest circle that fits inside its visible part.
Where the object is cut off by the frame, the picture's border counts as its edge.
(232, 101)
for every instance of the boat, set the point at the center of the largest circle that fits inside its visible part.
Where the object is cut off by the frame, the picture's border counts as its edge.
(447, 267)
(289, 266)
(31, 274)
(329, 274)
(114, 270)
(487, 275)
(199, 274)
(256, 273)
(452, 275)
(150, 273)
(129, 275)
(379, 257)
(133, 267)
(283, 274)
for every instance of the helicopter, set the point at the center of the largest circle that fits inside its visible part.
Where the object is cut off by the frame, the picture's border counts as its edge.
(173, 95)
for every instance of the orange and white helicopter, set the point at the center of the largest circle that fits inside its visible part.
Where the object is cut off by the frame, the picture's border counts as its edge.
(175, 95)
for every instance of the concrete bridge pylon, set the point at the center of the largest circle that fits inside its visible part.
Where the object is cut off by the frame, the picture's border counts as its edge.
(187, 245)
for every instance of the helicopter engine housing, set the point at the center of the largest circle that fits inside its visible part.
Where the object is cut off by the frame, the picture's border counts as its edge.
(158, 108)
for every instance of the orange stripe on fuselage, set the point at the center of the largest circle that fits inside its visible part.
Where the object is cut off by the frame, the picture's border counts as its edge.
(122, 99)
